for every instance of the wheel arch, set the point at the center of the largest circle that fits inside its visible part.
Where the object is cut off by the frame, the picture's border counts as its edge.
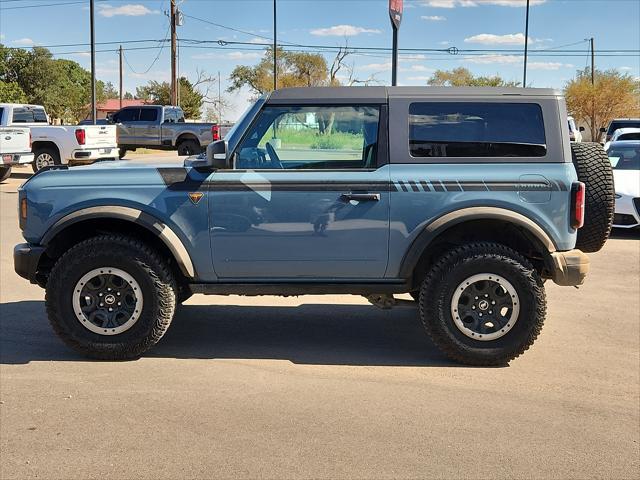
(39, 144)
(184, 136)
(478, 224)
(120, 219)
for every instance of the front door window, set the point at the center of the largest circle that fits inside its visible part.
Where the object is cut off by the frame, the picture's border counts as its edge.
(311, 138)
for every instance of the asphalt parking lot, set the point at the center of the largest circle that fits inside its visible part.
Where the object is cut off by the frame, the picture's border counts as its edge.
(323, 387)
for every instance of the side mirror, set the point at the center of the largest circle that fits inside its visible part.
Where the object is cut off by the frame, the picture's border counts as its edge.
(217, 155)
(582, 129)
(603, 130)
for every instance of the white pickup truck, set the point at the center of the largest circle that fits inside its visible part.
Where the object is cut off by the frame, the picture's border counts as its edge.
(60, 144)
(15, 149)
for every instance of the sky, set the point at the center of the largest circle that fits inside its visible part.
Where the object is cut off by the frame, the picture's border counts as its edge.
(472, 28)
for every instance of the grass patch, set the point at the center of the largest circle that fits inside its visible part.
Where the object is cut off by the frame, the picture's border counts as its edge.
(312, 139)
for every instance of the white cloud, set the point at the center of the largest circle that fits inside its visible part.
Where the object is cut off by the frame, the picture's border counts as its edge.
(488, 59)
(129, 10)
(625, 69)
(433, 18)
(243, 55)
(376, 66)
(1, 36)
(27, 42)
(342, 31)
(81, 54)
(237, 56)
(416, 68)
(258, 40)
(419, 78)
(548, 65)
(444, 42)
(477, 3)
(412, 56)
(508, 39)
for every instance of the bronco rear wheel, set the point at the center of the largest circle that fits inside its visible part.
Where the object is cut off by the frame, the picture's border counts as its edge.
(483, 304)
(111, 297)
(594, 170)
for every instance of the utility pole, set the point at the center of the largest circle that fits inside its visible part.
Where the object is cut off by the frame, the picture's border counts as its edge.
(120, 51)
(93, 62)
(219, 99)
(275, 46)
(593, 68)
(593, 93)
(174, 85)
(526, 46)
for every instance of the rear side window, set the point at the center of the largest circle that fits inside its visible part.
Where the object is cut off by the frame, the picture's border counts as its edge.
(29, 115)
(1, 114)
(127, 115)
(475, 129)
(148, 114)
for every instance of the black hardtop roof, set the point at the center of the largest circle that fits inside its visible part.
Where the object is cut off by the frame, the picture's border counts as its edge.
(381, 94)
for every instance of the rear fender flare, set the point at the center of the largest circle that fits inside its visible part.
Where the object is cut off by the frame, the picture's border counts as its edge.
(446, 221)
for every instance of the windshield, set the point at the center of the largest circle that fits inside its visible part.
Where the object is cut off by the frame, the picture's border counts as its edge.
(625, 158)
(233, 136)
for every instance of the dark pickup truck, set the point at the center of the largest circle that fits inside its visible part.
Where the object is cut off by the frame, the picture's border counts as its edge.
(162, 127)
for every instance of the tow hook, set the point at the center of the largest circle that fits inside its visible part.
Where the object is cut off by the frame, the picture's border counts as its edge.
(381, 300)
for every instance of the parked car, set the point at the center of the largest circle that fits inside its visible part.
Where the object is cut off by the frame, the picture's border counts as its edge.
(622, 134)
(625, 158)
(60, 144)
(15, 148)
(617, 123)
(427, 191)
(162, 127)
(575, 133)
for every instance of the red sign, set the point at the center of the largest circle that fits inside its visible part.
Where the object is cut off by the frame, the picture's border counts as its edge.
(395, 12)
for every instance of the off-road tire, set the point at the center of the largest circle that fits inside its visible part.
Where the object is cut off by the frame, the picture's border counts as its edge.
(461, 263)
(594, 170)
(5, 172)
(189, 147)
(55, 155)
(146, 266)
(121, 153)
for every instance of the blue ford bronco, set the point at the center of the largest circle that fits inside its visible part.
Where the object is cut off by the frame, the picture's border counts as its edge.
(468, 199)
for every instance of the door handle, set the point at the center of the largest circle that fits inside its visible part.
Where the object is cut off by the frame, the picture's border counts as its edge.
(360, 197)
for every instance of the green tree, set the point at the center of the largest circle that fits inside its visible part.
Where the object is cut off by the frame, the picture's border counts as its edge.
(109, 91)
(295, 69)
(462, 77)
(10, 92)
(612, 95)
(159, 93)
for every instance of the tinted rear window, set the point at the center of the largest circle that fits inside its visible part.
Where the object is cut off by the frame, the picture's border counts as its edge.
(475, 129)
(1, 114)
(127, 115)
(29, 115)
(148, 114)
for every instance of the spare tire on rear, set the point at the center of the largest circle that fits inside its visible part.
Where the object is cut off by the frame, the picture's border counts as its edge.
(594, 170)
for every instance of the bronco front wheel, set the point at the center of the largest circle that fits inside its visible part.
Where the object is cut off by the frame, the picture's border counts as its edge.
(111, 297)
(483, 304)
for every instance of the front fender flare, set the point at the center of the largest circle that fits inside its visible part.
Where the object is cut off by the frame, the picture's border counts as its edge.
(155, 226)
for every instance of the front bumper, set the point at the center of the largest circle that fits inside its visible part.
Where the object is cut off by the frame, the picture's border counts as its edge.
(26, 258)
(569, 268)
(17, 158)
